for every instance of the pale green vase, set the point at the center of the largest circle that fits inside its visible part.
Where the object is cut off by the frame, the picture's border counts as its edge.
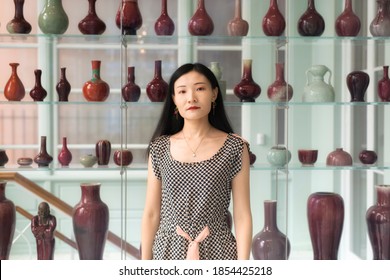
(53, 18)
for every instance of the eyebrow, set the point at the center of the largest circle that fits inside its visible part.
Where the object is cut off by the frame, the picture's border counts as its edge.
(198, 83)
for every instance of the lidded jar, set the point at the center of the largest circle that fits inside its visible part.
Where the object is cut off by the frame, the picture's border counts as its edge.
(279, 156)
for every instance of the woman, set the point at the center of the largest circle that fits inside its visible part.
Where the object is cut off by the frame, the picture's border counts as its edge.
(195, 164)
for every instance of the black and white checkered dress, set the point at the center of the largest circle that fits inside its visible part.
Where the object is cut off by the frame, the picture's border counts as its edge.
(195, 195)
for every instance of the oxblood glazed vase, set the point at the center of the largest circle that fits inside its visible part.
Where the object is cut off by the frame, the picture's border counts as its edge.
(18, 24)
(368, 157)
(270, 243)
(43, 159)
(247, 90)
(357, 83)
(7, 222)
(103, 152)
(96, 90)
(380, 25)
(53, 18)
(325, 214)
(164, 25)
(157, 88)
(65, 156)
(339, 157)
(3, 158)
(279, 90)
(311, 23)
(131, 92)
(91, 24)
(347, 23)
(90, 223)
(128, 17)
(14, 89)
(316, 89)
(383, 85)
(123, 157)
(273, 23)
(238, 26)
(378, 223)
(38, 93)
(201, 24)
(63, 87)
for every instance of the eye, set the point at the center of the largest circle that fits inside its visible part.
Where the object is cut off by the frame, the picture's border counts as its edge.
(200, 89)
(182, 91)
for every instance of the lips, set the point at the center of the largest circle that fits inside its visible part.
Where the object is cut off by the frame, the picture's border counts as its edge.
(193, 108)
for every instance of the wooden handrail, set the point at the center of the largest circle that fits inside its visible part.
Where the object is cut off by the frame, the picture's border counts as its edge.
(64, 207)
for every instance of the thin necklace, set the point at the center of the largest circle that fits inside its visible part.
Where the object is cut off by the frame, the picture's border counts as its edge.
(194, 151)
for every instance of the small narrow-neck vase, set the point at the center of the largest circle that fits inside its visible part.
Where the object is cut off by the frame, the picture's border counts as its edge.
(357, 83)
(131, 92)
(38, 93)
(63, 87)
(91, 24)
(347, 23)
(128, 17)
(164, 25)
(247, 90)
(380, 25)
(43, 159)
(238, 26)
(157, 88)
(53, 18)
(280, 90)
(383, 85)
(64, 156)
(18, 24)
(7, 222)
(201, 24)
(14, 89)
(273, 23)
(311, 23)
(96, 90)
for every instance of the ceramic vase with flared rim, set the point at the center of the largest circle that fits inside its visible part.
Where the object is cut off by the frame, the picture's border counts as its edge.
(64, 156)
(311, 23)
(123, 157)
(279, 90)
(96, 90)
(201, 24)
(92, 24)
(103, 152)
(270, 243)
(339, 157)
(357, 83)
(18, 24)
(316, 89)
(273, 23)
(131, 92)
(164, 25)
(380, 25)
(325, 214)
(383, 85)
(14, 89)
(90, 222)
(128, 17)
(43, 159)
(7, 222)
(378, 223)
(157, 88)
(347, 23)
(238, 26)
(247, 90)
(38, 93)
(63, 87)
(3, 158)
(53, 18)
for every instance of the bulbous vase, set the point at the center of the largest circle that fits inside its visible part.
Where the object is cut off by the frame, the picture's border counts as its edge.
(14, 89)
(53, 18)
(273, 23)
(280, 90)
(38, 93)
(238, 26)
(347, 23)
(3, 158)
(7, 222)
(380, 25)
(91, 24)
(247, 90)
(123, 157)
(383, 85)
(96, 89)
(339, 157)
(64, 156)
(43, 159)
(316, 89)
(164, 25)
(311, 23)
(131, 92)
(128, 17)
(18, 24)
(157, 88)
(278, 156)
(357, 83)
(201, 24)
(63, 87)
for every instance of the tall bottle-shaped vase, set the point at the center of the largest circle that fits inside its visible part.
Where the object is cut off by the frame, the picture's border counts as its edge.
(164, 25)
(128, 17)
(238, 26)
(316, 89)
(380, 25)
(63, 87)
(7, 222)
(311, 23)
(96, 90)
(38, 93)
(280, 90)
(14, 89)
(131, 92)
(53, 18)
(347, 23)
(383, 85)
(43, 158)
(157, 88)
(19, 24)
(201, 24)
(247, 90)
(64, 156)
(273, 23)
(91, 24)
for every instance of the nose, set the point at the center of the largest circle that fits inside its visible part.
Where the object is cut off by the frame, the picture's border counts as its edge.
(192, 96)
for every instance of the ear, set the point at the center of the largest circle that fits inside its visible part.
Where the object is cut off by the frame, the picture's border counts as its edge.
(215, 94)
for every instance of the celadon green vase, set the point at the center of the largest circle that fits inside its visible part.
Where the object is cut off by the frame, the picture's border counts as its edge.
(53, 18)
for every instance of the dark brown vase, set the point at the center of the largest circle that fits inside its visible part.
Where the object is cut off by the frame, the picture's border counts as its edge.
(279, 90)
(90, 223)
(247, 90)
(368, 157)
(96, 89)
(18, 24)
(201, 24)
(103, 152)
(357, 83)
(157, 88)
(238, 26)
(380, 25)
(131, 92)
(325, 214)
(378, 223)
(65, 156)
(43, 159)
(384, 85)
(123, 157)
(7, 222)
(273, 22)
(270, 243)
(92, 24)
(3, 158)
(339, 157)
(164, 25)
(128, 17)
(63, 87)
(311, 23)
(14, 89)
(38, 93)
(347, 23)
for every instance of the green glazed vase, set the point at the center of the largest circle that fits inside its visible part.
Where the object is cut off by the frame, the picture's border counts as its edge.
(53, 18)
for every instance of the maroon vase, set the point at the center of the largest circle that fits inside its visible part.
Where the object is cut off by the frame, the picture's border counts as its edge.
(368, 157)
(378, 223)
(383, 85)
(311, 23)
(103, 152)
(157, 88)
(279, 90)
(339, 157)
(90, 223)
(270, 243)
(201, 24)
(238, 26)
(380, 25)
(273, 22)
(131, 92)
(164, 25)
(92, 24)
(247, 90)
(347, 23)
(123, 157)
(128, 17)
(65, 156)
(96, 89)
(43, 159)
(38, 93)
(63, 87)
(3, 158)
(7, 222)
(18, 24)
(325, 214)
(14, 89)
(357, 83)
(252, 158)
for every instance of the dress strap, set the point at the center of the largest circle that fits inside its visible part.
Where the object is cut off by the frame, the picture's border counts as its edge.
(193, 247)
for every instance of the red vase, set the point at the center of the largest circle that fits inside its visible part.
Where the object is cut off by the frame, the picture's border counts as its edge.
(123, 157)
(103, 152)
(368, 157)
(90, 223)
(279, 90)
(63, 87)
(14, 88)
(7, 222)
(270, 243)
(92, 24)
(238, 26)
(157, 88)
(164, 25)
(357, 83)
(18, 24)
(380, 25)
(38, 93)
(43, 159)
(96, 89)
(378, 223)
(65, 156)
(3, 158)
(383, 85)
(131, 92)
(128, 17)
(311, 23)
(273, 22)
(201, 24)
(247, 90)
(339, 157)
(347, 23)
(325, 214)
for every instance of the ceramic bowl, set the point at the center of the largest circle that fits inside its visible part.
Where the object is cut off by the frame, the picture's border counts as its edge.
(24, 161)
(307, 157)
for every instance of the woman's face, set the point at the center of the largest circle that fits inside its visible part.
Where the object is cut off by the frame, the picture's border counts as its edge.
(193, 95)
